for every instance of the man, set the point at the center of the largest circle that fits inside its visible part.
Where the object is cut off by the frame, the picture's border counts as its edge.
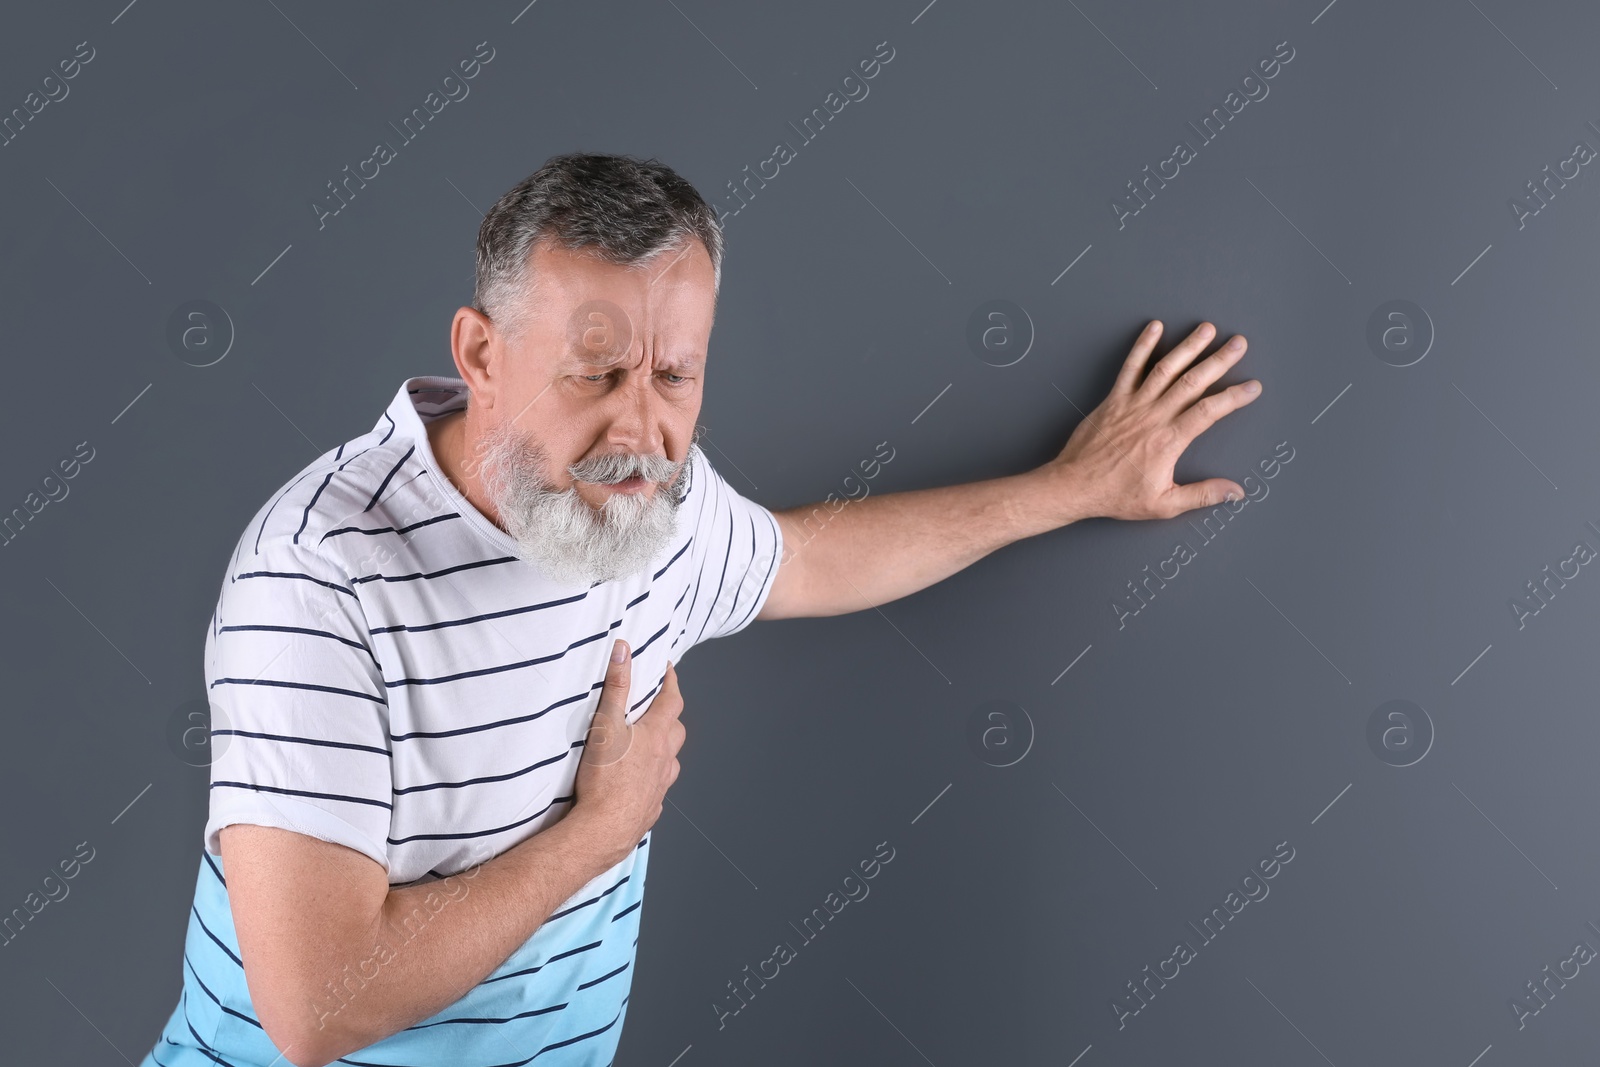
(444, 707)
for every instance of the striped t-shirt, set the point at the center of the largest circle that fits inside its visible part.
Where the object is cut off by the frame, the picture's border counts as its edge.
(386, 673)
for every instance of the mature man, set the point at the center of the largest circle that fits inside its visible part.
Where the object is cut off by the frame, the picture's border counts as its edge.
(433, 776)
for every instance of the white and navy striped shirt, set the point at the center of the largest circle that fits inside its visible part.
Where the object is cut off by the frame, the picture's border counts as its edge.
(386, 673)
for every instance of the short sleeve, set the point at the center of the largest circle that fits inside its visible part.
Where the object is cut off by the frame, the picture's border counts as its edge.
(738, 546)
(300, 723)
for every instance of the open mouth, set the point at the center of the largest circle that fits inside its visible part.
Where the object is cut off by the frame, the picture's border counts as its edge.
(630, 485)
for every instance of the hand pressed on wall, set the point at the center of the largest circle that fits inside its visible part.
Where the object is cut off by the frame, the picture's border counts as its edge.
(1122, 455)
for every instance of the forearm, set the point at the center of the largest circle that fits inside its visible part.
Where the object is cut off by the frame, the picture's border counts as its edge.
(435, 941)
(880, 548)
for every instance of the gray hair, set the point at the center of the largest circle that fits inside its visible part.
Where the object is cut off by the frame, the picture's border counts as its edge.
(626, 210)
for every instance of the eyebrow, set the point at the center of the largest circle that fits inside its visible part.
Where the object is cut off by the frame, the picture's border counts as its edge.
(676, 364)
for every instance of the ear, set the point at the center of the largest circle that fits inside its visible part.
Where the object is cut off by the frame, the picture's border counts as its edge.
(476, 347)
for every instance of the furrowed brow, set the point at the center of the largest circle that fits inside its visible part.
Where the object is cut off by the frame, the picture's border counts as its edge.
(581, 358)
(682, 364)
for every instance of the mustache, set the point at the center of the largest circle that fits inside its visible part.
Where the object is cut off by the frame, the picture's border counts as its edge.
(620, 466)
(512, 459)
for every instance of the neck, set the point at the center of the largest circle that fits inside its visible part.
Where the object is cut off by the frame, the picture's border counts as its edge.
(447, 436)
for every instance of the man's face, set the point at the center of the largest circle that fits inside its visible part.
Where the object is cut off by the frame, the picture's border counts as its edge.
(594, 412)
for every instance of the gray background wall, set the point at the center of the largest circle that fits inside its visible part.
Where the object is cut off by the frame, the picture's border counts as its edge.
(1231, 714)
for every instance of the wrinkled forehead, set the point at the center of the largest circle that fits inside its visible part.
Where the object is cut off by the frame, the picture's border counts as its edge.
(594, 313)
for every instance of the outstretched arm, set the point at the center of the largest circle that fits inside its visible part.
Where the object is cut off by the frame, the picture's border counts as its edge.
(1118, 463)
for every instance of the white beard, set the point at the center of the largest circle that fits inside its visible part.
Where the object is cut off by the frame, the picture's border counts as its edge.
(567, 538)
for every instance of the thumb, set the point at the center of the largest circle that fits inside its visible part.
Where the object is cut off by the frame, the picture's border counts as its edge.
(669, 680)
(609, 736)
(1206, 494)
(614, 694)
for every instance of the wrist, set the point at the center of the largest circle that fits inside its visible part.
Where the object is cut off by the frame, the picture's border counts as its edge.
(589, 835)
(1052, 496)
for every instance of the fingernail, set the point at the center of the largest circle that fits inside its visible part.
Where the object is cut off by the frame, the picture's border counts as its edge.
(1252, 388)
(619, 651)
(1235, 344)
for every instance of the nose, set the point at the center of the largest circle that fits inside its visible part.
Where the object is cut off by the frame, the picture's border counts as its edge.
(635, 425)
